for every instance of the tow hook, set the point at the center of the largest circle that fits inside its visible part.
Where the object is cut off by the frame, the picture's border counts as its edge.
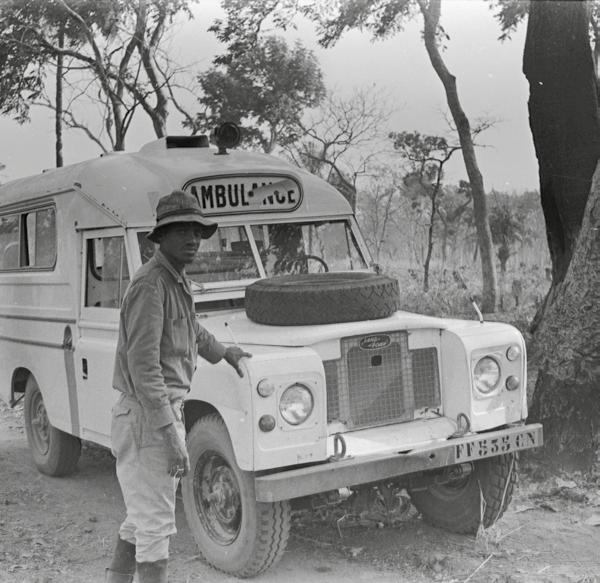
(339, 448)
(463, 426)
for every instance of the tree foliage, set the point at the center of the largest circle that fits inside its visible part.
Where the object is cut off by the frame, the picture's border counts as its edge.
(338, 140)
(427, 156)
(382, 18)
(508, 227)
(381, 210)
(112, 58)
(266, 90)
(511, 13)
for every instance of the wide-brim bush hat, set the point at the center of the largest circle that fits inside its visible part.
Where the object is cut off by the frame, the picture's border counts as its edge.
(181, 207)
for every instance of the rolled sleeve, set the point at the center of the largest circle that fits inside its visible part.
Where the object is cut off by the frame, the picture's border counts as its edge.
(209, 347)
(143, 321)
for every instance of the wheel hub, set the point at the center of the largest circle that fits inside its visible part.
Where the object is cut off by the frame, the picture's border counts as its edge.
(218, 499)
(40, 426)
(223, 494)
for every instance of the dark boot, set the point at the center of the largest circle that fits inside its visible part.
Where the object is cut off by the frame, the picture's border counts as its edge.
(122, 567)
(154, 572)
(114, 577)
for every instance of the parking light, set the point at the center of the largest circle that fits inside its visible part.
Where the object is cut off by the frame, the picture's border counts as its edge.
(513, 352)
(266, 423)
(265, 388)
(512, 383)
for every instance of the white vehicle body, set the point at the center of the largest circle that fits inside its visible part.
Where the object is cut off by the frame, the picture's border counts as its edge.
(62, 232)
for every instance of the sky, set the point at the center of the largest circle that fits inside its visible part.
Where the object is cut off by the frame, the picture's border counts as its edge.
(489, 79)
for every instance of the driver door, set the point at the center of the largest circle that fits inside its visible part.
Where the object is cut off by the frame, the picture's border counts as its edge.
(106, 274)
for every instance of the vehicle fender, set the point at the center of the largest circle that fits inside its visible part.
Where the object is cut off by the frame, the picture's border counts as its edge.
(240, 406)
(460, 350)
(220, 387)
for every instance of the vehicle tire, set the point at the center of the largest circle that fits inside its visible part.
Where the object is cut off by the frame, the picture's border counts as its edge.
(477, 499)
(234, 533)
(321, 298)
(54, 452)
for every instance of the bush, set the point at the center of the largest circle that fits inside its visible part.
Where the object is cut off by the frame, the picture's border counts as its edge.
(521, 294)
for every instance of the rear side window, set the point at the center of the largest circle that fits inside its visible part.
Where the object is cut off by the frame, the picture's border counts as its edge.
(28, 240)
(41, 238)
(107, 275)
(9, 242)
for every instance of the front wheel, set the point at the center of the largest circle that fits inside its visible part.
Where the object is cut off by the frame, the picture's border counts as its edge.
(54, 452)
(464, 503)
(233, 531)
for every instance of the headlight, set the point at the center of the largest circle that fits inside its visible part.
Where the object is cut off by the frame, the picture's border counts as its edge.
(486, 375)
(296, 404)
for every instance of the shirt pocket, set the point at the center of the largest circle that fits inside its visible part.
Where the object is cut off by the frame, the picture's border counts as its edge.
(177, 336)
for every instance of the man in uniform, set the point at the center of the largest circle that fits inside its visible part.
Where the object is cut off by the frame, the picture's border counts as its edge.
(159, 339)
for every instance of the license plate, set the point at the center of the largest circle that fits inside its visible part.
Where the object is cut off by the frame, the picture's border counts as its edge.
(498, 445)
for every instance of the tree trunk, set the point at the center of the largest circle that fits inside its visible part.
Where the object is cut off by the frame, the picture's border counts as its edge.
(58, 143)
(567, 394)
(429, 247)
(563, 115)
(563, 110)
(431, 16)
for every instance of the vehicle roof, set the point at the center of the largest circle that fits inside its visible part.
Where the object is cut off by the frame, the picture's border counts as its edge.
(127, 185)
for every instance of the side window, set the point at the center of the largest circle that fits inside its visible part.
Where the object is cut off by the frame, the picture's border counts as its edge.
(28, 240)
(40, 227)
(107, 275)
(9, 242)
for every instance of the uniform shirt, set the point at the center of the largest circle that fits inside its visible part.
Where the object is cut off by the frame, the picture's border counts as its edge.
(159, 339)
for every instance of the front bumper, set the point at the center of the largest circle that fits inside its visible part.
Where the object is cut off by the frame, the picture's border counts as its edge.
(352, 471)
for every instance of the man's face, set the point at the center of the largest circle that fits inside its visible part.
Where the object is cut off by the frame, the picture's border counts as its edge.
(179, 242)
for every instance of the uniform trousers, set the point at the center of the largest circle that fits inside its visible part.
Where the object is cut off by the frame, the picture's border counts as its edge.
(142, 470)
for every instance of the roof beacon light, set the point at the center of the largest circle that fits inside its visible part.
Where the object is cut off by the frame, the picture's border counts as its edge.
(227, 135)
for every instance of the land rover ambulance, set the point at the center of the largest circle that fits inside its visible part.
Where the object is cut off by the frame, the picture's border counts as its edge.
(344, 392)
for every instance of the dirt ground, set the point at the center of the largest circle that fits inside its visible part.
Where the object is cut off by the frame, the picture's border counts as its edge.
(61, 530)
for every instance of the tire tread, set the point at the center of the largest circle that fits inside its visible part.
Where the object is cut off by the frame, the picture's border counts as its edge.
(325, 298)
(65, 449)
(273, 522)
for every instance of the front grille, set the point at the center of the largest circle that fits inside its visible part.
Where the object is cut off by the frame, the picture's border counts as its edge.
(375, 386)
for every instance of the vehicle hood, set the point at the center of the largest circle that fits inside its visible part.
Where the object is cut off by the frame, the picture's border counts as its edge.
(237, 328)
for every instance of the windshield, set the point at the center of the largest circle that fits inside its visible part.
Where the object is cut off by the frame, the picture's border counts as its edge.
(284, 248)
(307, 247)
(226, 256)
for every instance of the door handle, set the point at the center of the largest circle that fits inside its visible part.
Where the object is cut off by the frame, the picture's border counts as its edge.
(84, 368)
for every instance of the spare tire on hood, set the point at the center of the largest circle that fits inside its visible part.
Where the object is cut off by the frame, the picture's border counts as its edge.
(321, 298)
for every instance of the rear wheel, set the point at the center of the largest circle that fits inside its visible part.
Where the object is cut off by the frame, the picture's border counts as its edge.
(463, 503)
(234, 532)
(54, 452)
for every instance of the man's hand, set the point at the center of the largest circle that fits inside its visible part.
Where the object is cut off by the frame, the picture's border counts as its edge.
(233, 355)
(179, 462)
